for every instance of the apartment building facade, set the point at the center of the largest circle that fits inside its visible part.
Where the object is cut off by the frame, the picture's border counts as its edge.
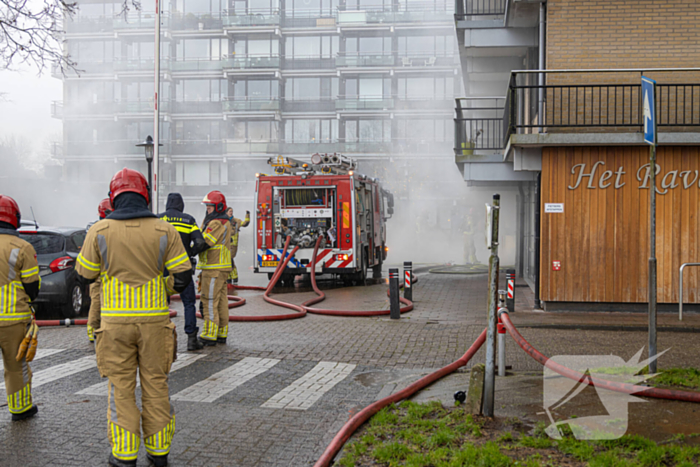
(244, 80)
(571, 139)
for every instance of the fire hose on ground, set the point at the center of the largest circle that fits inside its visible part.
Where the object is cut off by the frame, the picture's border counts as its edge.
(74, 322)
(355, 422)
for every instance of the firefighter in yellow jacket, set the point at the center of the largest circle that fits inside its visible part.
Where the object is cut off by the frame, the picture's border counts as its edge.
(129, 253)
(19, 284)
(104, 209)
(215, 264)
(236, 225)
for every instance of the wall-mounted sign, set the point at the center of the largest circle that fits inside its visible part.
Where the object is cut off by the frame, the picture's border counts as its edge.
(554, 207)
(601, 178)
(556, 265)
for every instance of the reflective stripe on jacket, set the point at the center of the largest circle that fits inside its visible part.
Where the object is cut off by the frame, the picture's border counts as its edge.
(17, 266)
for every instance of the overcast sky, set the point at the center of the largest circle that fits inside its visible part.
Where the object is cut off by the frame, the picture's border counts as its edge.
(25, 109)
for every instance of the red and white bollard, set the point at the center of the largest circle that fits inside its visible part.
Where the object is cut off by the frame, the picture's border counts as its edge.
(510, 285)
(408, 280)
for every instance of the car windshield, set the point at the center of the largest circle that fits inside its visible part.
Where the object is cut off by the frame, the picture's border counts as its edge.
(45, 244)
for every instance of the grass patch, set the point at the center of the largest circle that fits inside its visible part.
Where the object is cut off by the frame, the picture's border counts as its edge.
(428, 435)
(678, 377)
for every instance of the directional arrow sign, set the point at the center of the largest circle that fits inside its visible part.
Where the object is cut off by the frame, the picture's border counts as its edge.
(649, 111)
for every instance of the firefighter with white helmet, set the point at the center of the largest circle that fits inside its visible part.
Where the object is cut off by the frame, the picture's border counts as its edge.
(19, 284)
(215, 264)
(129, 253)
(104, 209)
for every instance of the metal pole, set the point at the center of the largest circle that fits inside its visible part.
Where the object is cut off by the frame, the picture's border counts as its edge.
(490, 373)
(408, 280)
(652, 260)
(395, 307)
(150, 178)
(541, 65)
(156, 116)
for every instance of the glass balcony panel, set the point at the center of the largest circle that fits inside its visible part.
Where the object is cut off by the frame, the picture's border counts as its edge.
(146, 64)
(248, 147)
(238, 62)
(198, 147)
(197, 21)
(251, 18)
(309, 63)
(364, 103)
(309, 105)
(248, 105)
(107, 148)
(141, 20)
(361, 60)
(196, 107)
(87, 24)
(198, 65)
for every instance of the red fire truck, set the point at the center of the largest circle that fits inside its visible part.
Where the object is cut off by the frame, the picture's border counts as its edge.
(329, 198)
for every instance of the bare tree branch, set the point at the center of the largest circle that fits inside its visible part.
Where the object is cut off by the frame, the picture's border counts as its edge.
(31, 33)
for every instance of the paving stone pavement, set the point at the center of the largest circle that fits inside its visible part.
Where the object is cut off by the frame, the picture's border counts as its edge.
(285, 414)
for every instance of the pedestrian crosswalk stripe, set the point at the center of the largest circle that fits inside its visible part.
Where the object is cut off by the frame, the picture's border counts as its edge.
(307, 390)
(61, 371)
(183, 360)
(40, 353)
(225, 381)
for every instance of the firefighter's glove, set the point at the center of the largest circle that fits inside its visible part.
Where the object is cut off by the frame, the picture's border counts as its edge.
(24, 345)
(31, 352)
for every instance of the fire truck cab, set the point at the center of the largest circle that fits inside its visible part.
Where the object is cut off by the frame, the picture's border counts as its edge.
(325, 198)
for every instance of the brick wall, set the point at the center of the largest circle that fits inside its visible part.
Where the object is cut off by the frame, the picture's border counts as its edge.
(623, 34)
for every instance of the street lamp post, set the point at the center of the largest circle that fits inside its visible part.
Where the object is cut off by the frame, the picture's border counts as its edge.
(149, 149)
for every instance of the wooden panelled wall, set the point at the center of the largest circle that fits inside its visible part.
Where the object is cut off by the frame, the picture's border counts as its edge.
(602, 237)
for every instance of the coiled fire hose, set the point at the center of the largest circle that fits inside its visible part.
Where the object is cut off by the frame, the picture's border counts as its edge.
(322, 296)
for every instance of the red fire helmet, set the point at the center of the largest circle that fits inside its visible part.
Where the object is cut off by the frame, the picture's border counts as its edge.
(216, 199)
(105, 208)
(9, 211)
(127, 180)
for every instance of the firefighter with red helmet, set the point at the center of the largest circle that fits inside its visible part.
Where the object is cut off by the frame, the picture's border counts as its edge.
(19, 284)
(129, 253)
(104, 209)
(215, 264)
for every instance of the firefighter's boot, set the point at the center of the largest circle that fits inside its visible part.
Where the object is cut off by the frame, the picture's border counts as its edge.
(158, 461)
(193, 343)
(113, 461)
(16, 417)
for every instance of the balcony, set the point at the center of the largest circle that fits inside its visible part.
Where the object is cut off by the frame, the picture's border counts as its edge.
(197, 21)
(309, 63)
(419, 60)
(89, 24)
(106, 148)
(141, 21)
(251, 18)
(197, 107)
(424, 103)
(82, 68)
(204, 147)
(198, 65)
(251, 147)
(479, 126)
(241, 62)
(364, 103)
(309, 105)
(309, 18)
(245, 104)
(365, 59)
(57, 109)
(415, 13)
(479, 8)
(140, 65)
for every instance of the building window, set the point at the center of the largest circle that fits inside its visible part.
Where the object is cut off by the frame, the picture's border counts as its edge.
(311, 130)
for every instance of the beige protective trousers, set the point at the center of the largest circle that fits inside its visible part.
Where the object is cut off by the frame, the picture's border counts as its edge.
(215, 304)
(18, 376)
(94, 316)
(122, 350)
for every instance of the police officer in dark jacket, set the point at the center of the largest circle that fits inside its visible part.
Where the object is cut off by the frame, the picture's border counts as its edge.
(194, 244)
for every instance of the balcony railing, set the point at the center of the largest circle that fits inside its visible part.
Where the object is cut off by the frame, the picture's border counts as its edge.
(252, 17)
(365, 59)
(197, 21)
(197, 107)
(140, 64)
(413, 13)
(309, 105)
(199, 147)
(145, 20)
(106, 148)
(238, 62)
(309, 18)
(245, 104)
(306, 62)
(57, 109)
(200, 64)
(479, 125)
(465, 8)
(604, 101)
(364, 103)
(83, 24)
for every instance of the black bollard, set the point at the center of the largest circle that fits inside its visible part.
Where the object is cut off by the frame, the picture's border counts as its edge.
(395, 306)
(408, 280)
(510, 286)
